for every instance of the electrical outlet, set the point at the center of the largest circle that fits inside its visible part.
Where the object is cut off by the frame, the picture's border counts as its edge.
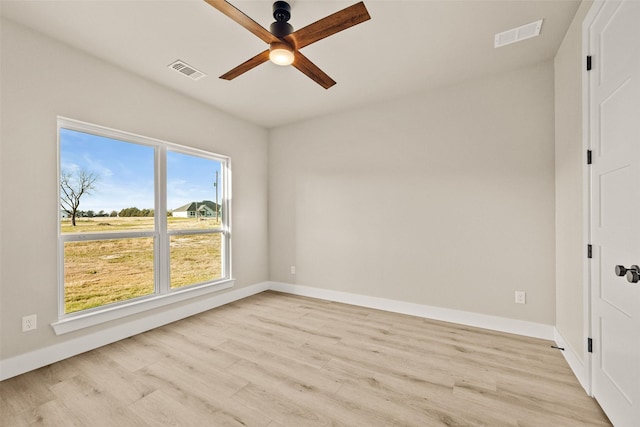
(293, 269)
(521, 297)
(29, 323)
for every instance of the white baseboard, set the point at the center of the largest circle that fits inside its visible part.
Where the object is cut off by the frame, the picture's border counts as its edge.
(578, 366)
(502, 324)
(45, 356)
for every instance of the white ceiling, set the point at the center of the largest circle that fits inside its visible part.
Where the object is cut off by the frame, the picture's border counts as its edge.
(406, 47)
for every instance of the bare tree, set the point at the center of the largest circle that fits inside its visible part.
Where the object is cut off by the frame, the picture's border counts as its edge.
(72, 187)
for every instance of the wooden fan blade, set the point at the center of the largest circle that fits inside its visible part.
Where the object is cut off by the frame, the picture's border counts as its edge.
(242, 19)
(312, 71)
(328, 26)
(246, 66)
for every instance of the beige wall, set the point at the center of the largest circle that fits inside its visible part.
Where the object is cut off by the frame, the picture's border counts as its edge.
(570, 163)
(42, 79)
(443, 199)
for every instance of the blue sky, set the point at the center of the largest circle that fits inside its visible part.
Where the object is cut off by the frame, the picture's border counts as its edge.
(125, 173)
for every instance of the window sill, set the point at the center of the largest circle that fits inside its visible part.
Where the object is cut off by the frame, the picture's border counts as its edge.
(75, 322)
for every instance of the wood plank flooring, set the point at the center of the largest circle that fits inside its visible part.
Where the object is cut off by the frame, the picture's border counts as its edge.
(281, 360)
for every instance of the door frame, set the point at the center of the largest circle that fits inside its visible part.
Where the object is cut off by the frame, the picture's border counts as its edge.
(587, 196)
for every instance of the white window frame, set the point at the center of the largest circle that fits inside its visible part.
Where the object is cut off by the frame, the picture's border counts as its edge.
(163, 293)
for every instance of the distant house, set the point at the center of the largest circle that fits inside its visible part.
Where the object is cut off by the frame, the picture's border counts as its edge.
(65, 214)
(205, 208)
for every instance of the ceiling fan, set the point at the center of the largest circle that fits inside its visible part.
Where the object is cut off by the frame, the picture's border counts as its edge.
(284, 43)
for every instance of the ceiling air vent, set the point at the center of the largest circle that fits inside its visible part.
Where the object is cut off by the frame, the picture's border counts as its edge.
(518, 34)
(187, 70)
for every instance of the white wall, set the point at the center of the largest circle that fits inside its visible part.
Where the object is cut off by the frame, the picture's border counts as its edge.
(443, 199)
(42, 79)
(570, 198)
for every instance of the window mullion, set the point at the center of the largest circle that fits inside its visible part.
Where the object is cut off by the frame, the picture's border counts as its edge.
(226, 218)
(162, 239)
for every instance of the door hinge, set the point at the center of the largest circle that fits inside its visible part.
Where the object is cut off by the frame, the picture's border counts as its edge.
(588, 62)
(589, 251)
(589, 345)
(589, 157)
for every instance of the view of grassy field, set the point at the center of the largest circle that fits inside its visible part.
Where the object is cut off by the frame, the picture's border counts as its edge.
(106, 224)
(101, 272)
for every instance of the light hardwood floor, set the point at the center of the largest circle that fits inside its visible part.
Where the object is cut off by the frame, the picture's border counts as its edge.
(281, 360)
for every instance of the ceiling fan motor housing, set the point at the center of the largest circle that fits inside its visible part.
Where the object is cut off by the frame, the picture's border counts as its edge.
(281, 13)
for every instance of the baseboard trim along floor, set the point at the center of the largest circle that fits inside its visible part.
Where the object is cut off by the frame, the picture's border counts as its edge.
(33, 360)
(495, 323)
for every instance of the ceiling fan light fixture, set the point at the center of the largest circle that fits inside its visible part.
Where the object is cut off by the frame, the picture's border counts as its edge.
(281, 54)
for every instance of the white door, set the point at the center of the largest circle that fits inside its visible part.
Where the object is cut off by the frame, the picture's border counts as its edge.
(614, 121)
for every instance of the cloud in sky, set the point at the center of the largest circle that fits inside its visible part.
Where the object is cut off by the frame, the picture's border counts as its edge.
(126, 173)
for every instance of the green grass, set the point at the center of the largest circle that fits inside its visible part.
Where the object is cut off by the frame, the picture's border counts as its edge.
(107, 271)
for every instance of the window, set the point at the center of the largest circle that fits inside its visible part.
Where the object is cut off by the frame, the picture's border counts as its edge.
(194, 245)
(141, 220)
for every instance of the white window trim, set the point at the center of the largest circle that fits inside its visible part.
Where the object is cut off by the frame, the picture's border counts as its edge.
(107, 313)
(163, 294)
